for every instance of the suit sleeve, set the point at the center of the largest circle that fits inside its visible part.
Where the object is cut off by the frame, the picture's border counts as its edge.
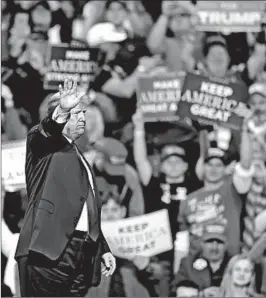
(105, 246)
(42, 138)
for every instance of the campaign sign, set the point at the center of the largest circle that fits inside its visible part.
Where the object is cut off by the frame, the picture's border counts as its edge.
(213, 101)
(229, 16)
(145, 235)
(72, 63)
(13, 165)
(158, 96)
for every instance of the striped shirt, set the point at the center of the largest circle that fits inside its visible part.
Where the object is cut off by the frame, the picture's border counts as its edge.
(255, 204)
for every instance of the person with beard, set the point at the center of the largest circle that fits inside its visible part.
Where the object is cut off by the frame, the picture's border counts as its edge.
(167, 190)
(110, 164)
(206, 267)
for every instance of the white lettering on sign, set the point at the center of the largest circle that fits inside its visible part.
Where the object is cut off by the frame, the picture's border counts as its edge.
(209, 100)
(216, 89)
(231, 18)
(210, 113)
(172, 84)
(229, 5)
(154, 108)
(78, 55)
(57, 76)
(145, 235)
(73, 66)
(160, 96)
(13, 165)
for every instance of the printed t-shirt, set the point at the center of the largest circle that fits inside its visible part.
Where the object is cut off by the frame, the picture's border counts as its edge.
(223, 205)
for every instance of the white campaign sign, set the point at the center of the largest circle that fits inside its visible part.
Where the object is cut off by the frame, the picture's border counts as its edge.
(13, 165)
(145, 235)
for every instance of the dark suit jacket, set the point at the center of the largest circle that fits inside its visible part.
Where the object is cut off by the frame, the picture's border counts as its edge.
(57, 186)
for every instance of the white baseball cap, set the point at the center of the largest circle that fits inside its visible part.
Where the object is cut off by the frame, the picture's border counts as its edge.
(257, 88)
(104, 32)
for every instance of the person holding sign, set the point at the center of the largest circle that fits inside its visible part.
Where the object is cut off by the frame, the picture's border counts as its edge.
(206, 266)
(61, 247)
(169, 189)
(127, 271)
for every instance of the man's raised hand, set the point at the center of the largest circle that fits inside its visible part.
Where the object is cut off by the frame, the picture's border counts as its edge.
(69, 95)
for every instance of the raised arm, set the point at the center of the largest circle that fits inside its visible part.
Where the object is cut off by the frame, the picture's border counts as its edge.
(136, 204)
(127, 87)
(204, 146)
(256, 61)
(242, 176)
(157, 37)
(140, 150)
(42, 139)
(14, 128)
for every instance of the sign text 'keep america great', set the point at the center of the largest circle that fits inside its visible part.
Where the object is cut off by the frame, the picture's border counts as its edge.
(211, 101)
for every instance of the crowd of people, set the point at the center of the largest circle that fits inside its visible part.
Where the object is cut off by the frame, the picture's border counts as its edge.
(209, 178)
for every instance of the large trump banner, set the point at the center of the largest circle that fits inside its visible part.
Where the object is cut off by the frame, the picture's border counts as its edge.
(230, 16)
(145, 235)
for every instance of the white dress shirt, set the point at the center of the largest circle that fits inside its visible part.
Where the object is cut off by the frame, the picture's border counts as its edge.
(83, 224)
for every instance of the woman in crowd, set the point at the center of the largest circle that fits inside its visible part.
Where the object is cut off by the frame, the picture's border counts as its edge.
(239, 278)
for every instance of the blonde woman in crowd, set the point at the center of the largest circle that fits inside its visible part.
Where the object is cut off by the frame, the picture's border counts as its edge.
(239, 278)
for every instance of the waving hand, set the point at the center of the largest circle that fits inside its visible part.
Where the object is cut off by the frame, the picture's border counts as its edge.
(69, 95)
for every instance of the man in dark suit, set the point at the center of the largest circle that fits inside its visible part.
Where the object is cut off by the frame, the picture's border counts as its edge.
(61, 248)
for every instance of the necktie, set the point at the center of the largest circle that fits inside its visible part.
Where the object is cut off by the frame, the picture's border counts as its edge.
(93, 213)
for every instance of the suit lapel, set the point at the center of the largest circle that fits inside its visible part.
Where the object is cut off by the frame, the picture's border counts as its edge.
(93, 202)
(97, 195)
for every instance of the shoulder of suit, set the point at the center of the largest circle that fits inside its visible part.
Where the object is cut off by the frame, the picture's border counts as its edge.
(65, 166)
(65, 158)
(33, 129)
